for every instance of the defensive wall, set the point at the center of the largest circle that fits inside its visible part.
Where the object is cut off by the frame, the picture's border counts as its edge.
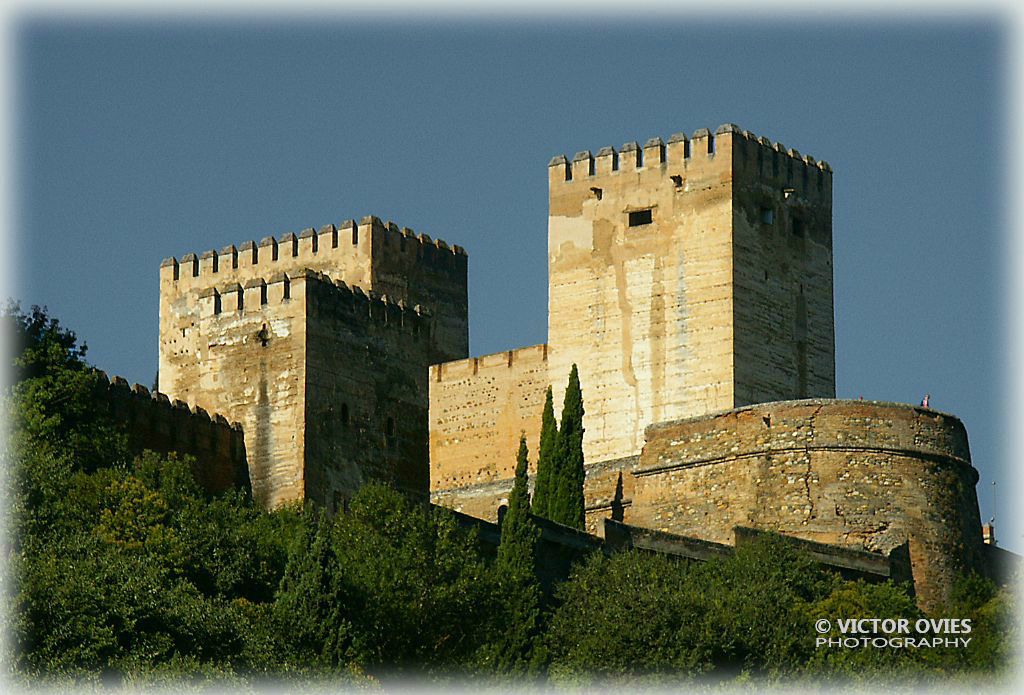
(153, 421)
(854, 474)
(561, 547)
(607, 489)
(479, 407)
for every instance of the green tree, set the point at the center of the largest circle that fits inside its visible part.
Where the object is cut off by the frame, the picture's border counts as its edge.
(309, 605)
(54, 392)
(546, 458)
(646, 615)
(566, 505)
(419, 594)
(517, 576)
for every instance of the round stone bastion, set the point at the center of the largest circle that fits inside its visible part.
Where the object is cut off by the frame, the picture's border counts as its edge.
(857, 474)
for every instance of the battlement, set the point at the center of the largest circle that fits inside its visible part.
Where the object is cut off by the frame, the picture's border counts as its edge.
(154, 421)
(701, 150)
(258, 294)
(532, 356)
(348, 245)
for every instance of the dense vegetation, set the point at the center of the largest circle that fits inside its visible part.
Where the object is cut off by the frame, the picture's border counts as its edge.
(122, 570)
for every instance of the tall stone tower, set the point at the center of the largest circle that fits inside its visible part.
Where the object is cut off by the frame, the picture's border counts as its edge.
(319, 345)
(687, 278)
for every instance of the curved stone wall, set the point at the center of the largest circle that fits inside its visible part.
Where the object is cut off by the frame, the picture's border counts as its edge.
(858, 474)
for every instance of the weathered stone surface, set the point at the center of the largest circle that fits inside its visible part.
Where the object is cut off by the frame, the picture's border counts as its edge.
(329, 385)
(851, 474)
(152, 422)
(722, 298)
(478, 409)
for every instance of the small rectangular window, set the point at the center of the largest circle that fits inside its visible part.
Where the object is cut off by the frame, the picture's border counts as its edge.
(767, 216)
(639, 218)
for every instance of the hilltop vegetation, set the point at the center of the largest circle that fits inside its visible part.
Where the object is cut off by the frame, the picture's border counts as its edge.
(123, 570)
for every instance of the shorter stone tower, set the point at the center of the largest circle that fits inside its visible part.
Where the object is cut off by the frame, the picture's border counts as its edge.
(319, 345)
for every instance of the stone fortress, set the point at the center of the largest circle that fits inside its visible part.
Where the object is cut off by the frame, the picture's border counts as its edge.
(689, 280)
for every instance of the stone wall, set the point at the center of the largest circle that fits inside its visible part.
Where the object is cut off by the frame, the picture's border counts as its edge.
(783, 326)
(249, 364)
(153, 421)
(366, 393)
(854, 474)
(607, 491)
(478, 409)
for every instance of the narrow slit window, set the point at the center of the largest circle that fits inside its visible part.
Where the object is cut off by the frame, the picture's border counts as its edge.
(639, 218)
(389, 432)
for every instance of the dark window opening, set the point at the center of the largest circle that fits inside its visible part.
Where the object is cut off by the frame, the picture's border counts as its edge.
(263, 294)
(344, 414)
(711, 144)
(766, 276)
(640, 218)
(767, 216)
(389, 431)
(216, 303)
(287, 288)
(798, 229)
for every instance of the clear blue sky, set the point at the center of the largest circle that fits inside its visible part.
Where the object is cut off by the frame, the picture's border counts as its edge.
(142, 140)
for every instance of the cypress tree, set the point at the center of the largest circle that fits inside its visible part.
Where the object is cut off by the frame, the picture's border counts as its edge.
(566, 504)
(545, 458)
(518, 576)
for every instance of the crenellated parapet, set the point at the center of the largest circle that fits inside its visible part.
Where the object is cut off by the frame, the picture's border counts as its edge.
(519, 359)
(349, 245)
(153, 421)
(683, 157)
(264, 295)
